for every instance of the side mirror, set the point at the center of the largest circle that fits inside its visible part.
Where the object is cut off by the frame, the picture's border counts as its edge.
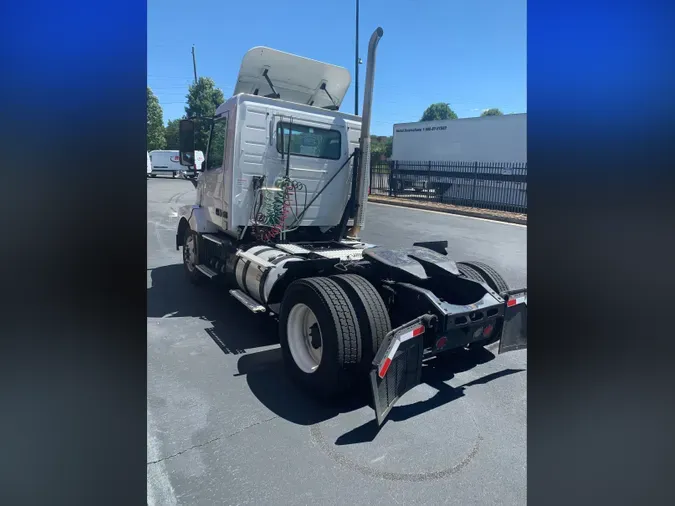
(186, 142)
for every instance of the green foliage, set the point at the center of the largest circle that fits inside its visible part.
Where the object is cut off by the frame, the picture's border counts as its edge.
(203, 99)
(380, 147)
(492, 112)
(438, 111)
(155, 123)
(171, 134)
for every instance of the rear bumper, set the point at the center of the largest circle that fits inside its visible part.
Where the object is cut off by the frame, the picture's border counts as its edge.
(397, 366)
(457, 325)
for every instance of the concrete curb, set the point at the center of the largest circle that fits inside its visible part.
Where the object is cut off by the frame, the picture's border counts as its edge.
(459, 212)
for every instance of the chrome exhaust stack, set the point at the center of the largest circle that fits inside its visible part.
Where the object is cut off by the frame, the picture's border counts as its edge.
(363, 176)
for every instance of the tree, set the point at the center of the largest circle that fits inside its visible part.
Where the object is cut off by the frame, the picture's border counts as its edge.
(380, 146)
(438, 111)
(492, 112)
(171, 134)
(155, 127)
(388, 147)
(203, 99)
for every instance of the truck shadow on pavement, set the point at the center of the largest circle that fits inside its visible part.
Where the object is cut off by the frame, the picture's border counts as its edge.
(233, 328)
(271, 385)
(434, 374)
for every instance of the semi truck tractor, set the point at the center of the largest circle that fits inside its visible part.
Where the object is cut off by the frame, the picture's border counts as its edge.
(280, 207)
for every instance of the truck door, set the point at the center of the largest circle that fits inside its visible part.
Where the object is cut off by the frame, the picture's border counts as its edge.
(212, 195)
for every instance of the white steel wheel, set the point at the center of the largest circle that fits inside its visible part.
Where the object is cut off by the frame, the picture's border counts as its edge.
(190, 252)
(304, 338)
(190, 258)
(320, 336)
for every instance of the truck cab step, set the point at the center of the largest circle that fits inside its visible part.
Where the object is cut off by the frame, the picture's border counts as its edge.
(207, 271)
(213, 238)
(251, 304)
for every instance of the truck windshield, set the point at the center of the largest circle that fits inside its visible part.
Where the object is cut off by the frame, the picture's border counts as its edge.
(309, 141)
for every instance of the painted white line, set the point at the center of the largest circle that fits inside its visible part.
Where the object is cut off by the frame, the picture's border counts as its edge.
(160, 490)
(174, 214)
(449, 213)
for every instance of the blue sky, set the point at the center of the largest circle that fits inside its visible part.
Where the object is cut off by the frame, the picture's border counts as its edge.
(469, 53)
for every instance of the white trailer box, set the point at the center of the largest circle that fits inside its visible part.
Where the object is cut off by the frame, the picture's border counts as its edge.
(496, 139)
(421, 151)
(167, 161)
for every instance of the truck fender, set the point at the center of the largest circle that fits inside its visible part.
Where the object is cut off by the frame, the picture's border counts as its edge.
(514, 331)
(195, 217)
(403, 349)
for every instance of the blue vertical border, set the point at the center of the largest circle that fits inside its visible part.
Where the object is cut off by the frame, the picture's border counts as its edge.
(73, 128)
(601, 113)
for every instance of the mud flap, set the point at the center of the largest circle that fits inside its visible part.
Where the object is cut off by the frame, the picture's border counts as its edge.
(514, 332)
(397, 367)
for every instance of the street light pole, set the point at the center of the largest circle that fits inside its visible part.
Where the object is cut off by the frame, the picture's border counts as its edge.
(194, 62)
(356, 64)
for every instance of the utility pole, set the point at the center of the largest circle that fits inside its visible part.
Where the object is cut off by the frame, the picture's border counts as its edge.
(194, 62)
(356, 64)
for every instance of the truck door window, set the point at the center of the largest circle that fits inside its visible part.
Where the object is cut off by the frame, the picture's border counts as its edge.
(216, 146)
(309, 141)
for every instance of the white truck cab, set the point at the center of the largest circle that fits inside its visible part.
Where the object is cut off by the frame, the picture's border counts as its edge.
(283, 122)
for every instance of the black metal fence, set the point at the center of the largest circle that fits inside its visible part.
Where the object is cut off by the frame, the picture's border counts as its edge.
(500, 186)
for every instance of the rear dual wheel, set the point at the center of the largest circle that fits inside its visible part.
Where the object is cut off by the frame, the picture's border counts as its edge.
(475, 270)
(330, 329)
(320, 337)
(483, 273)
(371, 313)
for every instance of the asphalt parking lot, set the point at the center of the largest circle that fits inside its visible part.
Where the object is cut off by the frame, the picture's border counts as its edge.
(225, 426)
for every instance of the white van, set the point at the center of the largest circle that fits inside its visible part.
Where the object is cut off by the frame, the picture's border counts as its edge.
(167, 161)
(149, 165)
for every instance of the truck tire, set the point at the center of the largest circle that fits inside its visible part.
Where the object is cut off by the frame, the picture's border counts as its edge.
(491, 276)
(320, 336)
(478, 271)
(470, 273)
(190, 257)
(371, 313)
